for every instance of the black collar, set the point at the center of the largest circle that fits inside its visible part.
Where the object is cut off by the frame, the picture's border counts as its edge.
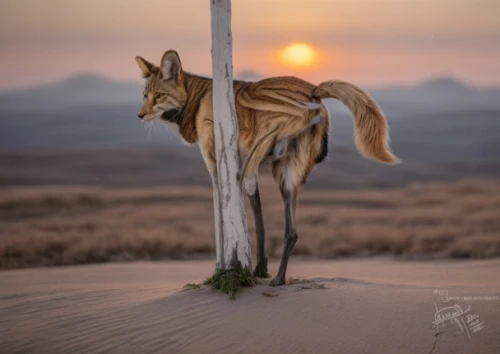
(173, 115)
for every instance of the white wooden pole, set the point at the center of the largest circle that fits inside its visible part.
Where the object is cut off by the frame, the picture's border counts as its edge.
(232, 242)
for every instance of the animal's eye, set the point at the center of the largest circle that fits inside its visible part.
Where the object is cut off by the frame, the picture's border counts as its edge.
(144, 97)
(158, 96)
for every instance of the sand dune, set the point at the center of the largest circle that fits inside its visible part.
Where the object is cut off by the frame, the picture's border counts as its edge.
(351, 306)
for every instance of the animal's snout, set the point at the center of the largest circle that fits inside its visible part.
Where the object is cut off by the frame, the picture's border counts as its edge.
(140, 115)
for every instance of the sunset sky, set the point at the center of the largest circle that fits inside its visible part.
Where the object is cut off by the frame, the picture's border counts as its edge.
(369, 42)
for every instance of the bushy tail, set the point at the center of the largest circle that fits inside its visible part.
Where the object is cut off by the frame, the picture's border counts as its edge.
(371, 132)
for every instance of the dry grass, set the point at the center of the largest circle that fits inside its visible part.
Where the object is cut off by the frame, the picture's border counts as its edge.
(74, 225)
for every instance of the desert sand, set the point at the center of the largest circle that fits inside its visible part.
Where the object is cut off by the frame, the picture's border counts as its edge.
(374, 305)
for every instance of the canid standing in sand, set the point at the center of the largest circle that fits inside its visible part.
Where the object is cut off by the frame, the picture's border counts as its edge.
(281, 119)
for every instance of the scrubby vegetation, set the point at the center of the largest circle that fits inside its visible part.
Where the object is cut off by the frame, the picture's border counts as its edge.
(46, 226)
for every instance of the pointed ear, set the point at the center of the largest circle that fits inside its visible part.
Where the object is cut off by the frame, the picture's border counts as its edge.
(171, 67)
(146, 67)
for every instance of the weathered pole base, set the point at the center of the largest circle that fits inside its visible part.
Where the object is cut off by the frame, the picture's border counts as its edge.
(232, 280)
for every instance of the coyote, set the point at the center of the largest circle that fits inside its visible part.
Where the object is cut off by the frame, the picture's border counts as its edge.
(281, 120)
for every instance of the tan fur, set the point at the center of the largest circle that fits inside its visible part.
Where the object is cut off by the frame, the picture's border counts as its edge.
(268, 111)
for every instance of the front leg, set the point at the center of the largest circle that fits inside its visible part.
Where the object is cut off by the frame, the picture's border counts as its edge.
(207, 151)
(261, 268)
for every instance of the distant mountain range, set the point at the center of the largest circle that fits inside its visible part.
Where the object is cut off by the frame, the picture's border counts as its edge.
(80, 90)
(441, 93)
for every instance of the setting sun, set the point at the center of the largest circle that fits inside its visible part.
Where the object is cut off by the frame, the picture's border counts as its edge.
(299, 54)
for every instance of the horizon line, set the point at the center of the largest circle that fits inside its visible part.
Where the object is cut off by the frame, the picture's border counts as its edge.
(388, 84)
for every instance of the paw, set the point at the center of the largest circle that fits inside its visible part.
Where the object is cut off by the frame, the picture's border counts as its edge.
(261, 271)
(277, 281)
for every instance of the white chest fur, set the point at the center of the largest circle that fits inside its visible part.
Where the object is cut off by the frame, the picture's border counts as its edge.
(175, 130)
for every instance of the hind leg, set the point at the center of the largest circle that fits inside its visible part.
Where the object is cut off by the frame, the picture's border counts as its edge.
(289, 173)
(290, 202)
